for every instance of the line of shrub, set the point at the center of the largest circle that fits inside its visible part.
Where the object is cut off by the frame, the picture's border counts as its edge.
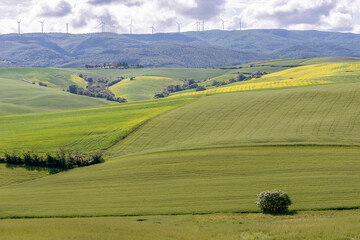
(188, 84)
(97, 87)
(64, 159)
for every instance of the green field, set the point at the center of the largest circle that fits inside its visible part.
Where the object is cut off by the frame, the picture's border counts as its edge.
(86, 129)
(198, 181)
(142, 88)
(19, 97)
(331, 225)
(319, 115)
(316, 74)
(190, 167)
(57, 78)
(198, 74)
(12, 175)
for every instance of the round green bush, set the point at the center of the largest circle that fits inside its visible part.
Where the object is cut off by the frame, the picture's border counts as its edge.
(274, 202)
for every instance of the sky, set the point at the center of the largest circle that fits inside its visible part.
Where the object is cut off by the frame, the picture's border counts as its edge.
(85, 16)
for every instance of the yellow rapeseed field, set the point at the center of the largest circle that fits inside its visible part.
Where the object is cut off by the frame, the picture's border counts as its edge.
(301, 76)
(78, 80)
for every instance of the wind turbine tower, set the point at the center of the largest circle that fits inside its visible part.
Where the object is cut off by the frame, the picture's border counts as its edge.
(67, 28)
(198, 26)
(223, 23)
(179, 26)
(19, 22)
(240, 25)
(42, 26)
(102, 23)
(131, 26)
(152, 29)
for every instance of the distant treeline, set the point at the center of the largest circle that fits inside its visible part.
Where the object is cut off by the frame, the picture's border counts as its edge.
(64, 159)
(188, 84)
(118, 65)
(239, 78)
(191, 84)
(97, 87)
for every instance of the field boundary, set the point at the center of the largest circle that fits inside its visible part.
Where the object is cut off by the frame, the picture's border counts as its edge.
(291, 212)
(285, 145)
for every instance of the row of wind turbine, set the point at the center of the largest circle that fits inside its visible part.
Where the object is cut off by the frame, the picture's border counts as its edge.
(200, 26)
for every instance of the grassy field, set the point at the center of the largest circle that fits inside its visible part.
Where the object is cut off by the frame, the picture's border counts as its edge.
(12, 175)
(190, 167)
(325, 73)
(142, 88)
(53, 77)
(214, 178)
(198, 181)
(19, 97)
(198, 74)
(319, 115)
(332, 225)
(85, 129)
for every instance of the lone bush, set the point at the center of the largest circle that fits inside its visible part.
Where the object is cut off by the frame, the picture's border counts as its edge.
(274, 202)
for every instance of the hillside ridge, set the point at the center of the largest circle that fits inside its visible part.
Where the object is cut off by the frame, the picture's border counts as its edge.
(196, 49)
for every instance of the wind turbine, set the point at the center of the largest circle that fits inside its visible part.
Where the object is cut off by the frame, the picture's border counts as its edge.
(223, 23)
(131, 26)
(179, 26)
(19, 21)
(102, 23)
(198, 26)
(67, 28)
(152, 29)
(240, 25)
(42, 26)
(203, 25)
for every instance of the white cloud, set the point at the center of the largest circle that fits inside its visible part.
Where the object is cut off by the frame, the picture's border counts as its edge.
(84, 15)
(327, 15)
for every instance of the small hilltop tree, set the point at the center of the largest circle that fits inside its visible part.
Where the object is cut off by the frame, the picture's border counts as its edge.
(274, 202)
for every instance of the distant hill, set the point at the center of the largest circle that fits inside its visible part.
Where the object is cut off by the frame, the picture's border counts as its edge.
(279, 43)
(189, 49)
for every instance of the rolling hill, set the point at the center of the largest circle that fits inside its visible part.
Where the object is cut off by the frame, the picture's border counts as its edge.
(321, 115)
(22, 97)
(19, 97)
(316, 74)
(61, 50)
(184, 167)
(141, 88)
(291, 139)
(84, 130)
(190, 49)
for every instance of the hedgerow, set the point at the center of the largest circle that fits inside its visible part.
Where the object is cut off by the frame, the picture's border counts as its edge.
(65, 159)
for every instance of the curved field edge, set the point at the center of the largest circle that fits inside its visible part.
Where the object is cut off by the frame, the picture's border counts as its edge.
(318, 115)
(197, 181)
(84, 130)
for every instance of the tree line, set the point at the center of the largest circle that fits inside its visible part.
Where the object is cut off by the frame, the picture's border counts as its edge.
(64, 159)
(188, 84)
(118, 65)
(191, 84)
(97, 87)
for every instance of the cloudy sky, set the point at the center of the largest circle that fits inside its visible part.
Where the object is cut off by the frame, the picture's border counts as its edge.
(84, 16)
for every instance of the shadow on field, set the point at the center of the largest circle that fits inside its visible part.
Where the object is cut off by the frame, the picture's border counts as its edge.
(288, 213)
(35, 168)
